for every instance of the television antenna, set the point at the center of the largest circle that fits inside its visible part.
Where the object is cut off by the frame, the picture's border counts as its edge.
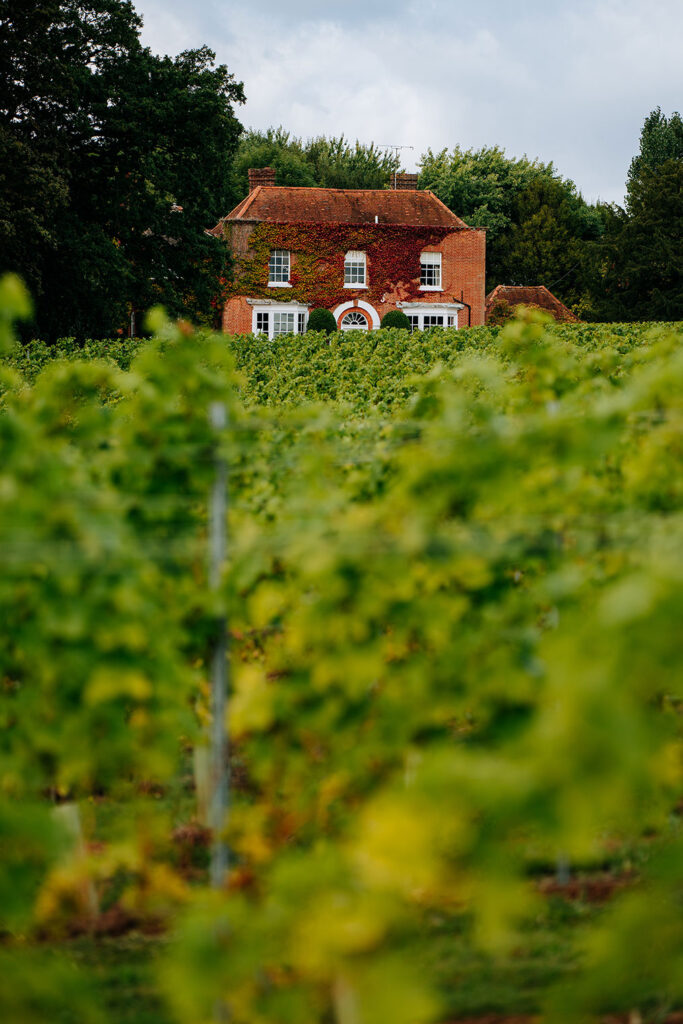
(396, 152)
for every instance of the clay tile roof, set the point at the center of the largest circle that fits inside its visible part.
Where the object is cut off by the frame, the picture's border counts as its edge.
(530, 295)
(284, 205)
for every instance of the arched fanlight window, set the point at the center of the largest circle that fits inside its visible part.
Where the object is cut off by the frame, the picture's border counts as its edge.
(354, 321)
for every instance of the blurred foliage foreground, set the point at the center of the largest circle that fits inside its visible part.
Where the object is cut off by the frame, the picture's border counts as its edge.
(456, 661)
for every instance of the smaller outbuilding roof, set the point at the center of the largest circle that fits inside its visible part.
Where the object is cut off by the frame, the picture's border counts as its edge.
(530, 295)
(283, 204)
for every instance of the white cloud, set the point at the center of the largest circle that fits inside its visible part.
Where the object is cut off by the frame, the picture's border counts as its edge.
(168, 28)
(568, 83)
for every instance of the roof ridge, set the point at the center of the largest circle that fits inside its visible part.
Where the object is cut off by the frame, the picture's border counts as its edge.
(319, 204)
(250, 198)
(328, 188)
(243, 205)
(441, 203)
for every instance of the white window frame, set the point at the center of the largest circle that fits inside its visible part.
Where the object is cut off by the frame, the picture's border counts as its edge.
(351, 314)
(373, 315)
(266, 307)
(419, 310)
(279, 262)
(353, 262)
(431, 263)
(261, 322)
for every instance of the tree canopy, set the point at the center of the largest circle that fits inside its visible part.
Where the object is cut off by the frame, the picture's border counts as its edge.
(535, 220)
(275, 148)
(661, 139)
(480, 185)
(638, 272)
(322, 161)
(546, 241)
(114, 161)
(129, 156)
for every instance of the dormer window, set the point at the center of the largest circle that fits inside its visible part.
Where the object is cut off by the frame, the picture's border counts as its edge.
(355, 275)
(430, 271)
(278, 269)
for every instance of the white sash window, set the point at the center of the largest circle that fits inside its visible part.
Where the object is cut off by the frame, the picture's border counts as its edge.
(278, 269)
(355, 270)
(430, 271)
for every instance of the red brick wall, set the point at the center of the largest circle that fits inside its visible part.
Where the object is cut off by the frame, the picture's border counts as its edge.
(463, 274)
(464, 271)
(463, 268)
(237, 316)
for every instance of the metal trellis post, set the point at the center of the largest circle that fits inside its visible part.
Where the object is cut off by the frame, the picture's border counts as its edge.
(219, 769)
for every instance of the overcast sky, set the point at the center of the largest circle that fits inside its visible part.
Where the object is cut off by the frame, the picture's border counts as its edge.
(567, 82)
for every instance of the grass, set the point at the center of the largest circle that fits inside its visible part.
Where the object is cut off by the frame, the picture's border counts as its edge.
(474, 983)
(121, 971)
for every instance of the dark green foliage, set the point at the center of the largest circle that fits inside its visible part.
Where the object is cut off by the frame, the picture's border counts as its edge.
(322, 320)
(546, 243)
(56, 67)
(33, 191)
(324, 162)
(101, 146)
(660, 140)
(336, 163)
(639, 271)
(539, 228)
(272, 148)
(396, 318)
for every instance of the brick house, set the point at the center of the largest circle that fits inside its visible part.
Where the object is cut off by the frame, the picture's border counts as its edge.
(358, 253)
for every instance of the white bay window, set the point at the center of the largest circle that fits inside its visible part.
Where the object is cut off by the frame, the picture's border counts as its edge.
(275, 318)
(423, 315)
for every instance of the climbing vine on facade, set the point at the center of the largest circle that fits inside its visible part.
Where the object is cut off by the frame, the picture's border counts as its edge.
(317, 275)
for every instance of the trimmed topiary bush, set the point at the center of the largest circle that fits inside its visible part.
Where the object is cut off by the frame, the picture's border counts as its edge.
(396, 318)
(321, 320)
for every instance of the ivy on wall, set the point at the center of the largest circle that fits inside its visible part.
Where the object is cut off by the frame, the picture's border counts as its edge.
(318, 250)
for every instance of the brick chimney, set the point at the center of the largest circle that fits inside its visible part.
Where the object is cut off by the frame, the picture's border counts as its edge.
(260, 176)
(405, 181)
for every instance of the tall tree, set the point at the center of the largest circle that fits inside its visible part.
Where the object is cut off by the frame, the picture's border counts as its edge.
(33, 189)
(639, 271)
(537, 223)
(165, 164)
(661, 139)
(274, 147)
(53, 59)
(337, 163)
(141, 146)
(546, 242)
(326, 162)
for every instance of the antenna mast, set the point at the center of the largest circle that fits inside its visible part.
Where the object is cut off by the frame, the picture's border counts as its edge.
(396, 150)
